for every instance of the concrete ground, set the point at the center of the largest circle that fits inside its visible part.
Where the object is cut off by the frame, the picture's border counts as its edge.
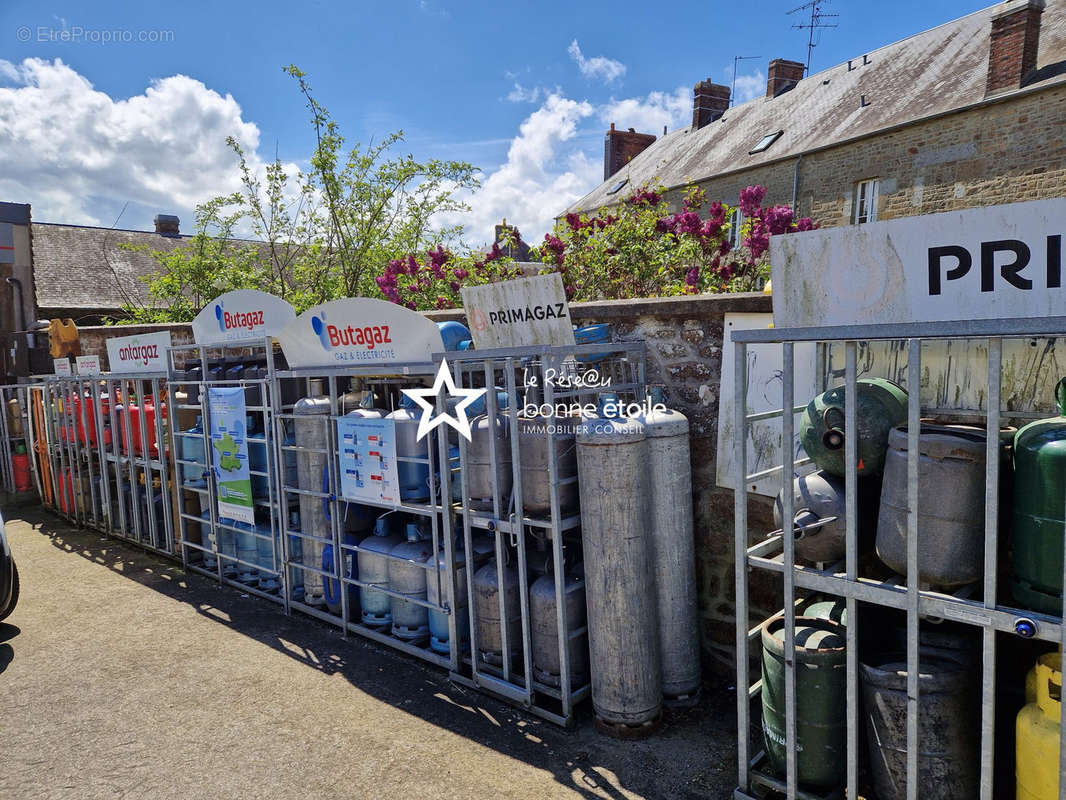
(122, 676)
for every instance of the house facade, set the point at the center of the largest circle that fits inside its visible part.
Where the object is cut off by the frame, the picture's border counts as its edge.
(970, 113)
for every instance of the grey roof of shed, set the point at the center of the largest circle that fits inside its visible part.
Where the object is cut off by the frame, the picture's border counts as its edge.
(937, 71)
(75, 266)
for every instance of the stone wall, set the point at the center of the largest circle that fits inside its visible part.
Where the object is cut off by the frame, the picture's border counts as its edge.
(1002, 151)
(93, 338)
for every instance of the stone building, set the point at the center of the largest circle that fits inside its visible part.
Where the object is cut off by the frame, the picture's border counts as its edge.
(969, 113)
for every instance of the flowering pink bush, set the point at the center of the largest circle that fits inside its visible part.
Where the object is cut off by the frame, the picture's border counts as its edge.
(639, 249)
(642, 250)
(432, 280)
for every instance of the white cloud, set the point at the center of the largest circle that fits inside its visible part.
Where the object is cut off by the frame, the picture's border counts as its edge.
(520, 94)
(602, 67)
(545, 171)
(650, 114)
(552, 162)
(748, 87)
(77, 155)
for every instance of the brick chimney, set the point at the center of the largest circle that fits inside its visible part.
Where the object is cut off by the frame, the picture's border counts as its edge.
(782, 75)
(1013, 44)
(166, 224)
(520, 250)
(621, 147)
(709, 102)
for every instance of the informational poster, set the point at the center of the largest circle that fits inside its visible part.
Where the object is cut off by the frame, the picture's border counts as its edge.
(88, 365)
(229, 453)
(61, 366)
(367, 448)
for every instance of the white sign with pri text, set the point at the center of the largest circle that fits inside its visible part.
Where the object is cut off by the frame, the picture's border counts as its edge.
(1000, 262)
(144, 352)
(61, 366)
(519, 313)
(88, 365)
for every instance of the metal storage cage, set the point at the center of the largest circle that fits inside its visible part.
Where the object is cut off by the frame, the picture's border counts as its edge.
(246, 556)
(313, 438)
(13, 426)
(983, 607)
(535, 528)
(126, 414)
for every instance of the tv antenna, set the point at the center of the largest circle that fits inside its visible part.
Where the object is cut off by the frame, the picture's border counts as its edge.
(733, 85)
(816, 23)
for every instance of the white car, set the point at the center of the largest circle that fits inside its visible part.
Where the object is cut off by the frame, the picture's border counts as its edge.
(9, 576)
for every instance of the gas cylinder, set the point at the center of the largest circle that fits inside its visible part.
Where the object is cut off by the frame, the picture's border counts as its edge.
(14, 417)
(268, 557)
(948, 725)
(951, 504)
(20, 463)
(311, 430)
(484, 431)
(451, 333)
(247, 552)
(821, 694)
(612, 461)
(534, 433)
(134, 413)
(1037, 727)
(407, 576)
(672, 549)
(439, 635)
(544, 621)
(880, 406)
(261, 459)
(194, 448)
(207, 540)
(333, 584)
(1039, 503)
(413, 476)
(374, 571)
(487, 599)
(818, 514)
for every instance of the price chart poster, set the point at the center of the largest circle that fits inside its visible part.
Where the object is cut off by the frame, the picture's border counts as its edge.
(368, 466)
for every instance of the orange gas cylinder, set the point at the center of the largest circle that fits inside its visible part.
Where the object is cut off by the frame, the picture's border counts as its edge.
(20, 464)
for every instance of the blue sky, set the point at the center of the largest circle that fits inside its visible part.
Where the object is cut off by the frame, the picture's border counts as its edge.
(523, 91)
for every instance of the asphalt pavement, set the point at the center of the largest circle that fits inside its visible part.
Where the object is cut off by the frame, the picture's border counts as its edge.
(122, 676)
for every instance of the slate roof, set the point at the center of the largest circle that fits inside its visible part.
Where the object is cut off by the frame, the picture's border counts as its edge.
(934, 72)
(79, 267)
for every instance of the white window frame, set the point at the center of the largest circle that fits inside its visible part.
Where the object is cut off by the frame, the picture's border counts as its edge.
(736, 221)
(864, 208)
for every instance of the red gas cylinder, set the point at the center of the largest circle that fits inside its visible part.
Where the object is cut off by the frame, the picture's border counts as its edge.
(20, 463)
(134, 412)
(66, 492)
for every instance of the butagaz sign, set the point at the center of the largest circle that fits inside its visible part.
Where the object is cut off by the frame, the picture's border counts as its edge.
(986, 263)
(359, 331)
(241, 314)
(142, 353)
(518, 313)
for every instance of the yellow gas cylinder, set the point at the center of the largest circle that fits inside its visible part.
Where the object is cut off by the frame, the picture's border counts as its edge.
(1037, 767)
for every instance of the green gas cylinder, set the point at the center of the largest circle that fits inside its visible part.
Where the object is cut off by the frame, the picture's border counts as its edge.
(821, 683)
(1040, 510)
(880, 405)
